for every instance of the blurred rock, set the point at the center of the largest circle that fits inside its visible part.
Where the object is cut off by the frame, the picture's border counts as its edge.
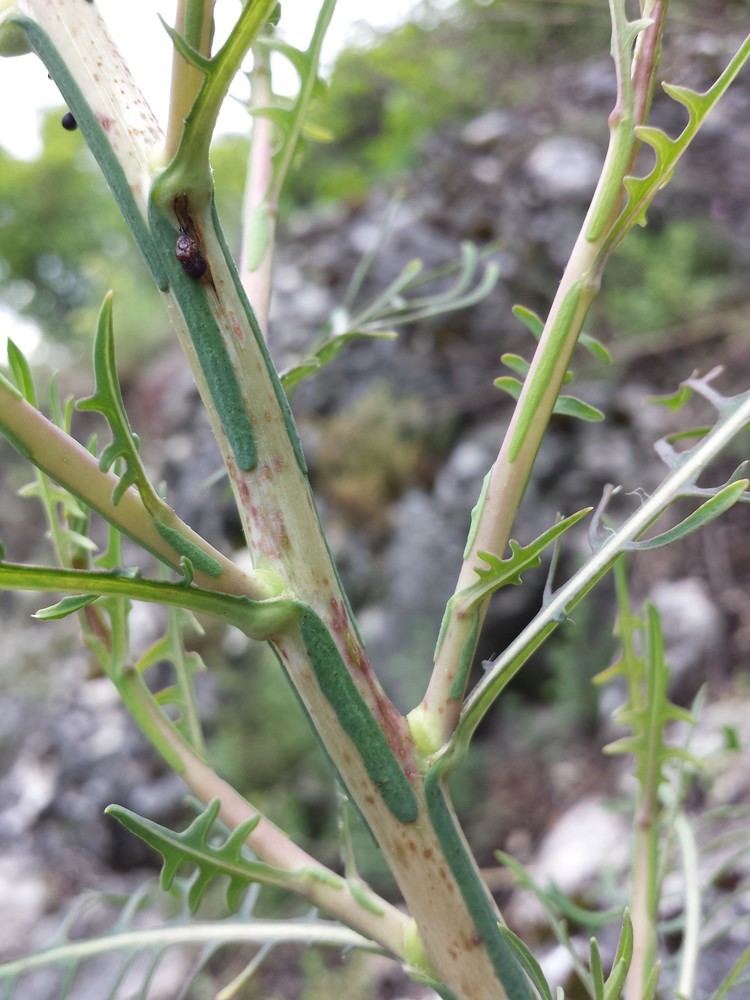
(693, 628)
(562, 166)
(584, 843)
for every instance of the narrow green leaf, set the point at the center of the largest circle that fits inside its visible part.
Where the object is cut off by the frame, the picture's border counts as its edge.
(718, 504)
(597, 969)
(292, 377)
(509, 384)
(732, 976)
(328, 352)
(571, 406)
(531, 320)
(516, 363)
(21, 372)
(652, 982)
(67, 606)
(624, 950)
(314, 132)
(529, 964)
(107, 400)
(595, 347)
(673, 400)
(613, 986)
(282, 118)
(188, 53)
(642, 190)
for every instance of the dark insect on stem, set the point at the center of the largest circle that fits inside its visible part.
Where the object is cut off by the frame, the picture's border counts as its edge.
(68, 122)
(189, 255)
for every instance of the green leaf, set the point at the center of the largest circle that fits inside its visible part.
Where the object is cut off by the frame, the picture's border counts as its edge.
(673, 400)
(107, 400)
(191, 847)
(597, 969)
(503, 572)
(170, 648)
(732, 976)
(571, 406)
(188, 53)
(718, 504)
(516, 363)
(508, 384)
(595, 347)
(21, 372)
(314, 132)
(328, 351)
(531, 320)
(649, 991)
(565, 406)
(641, 191)
(622, 960)
(282, 118)
(67, 606)
(529, 964)
(301, 61)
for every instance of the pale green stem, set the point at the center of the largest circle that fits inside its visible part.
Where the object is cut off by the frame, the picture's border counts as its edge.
(303, 99)
(257, 208)
(254, 931)
(644, 896)
(258, 619)
(184, 683)
(569, 594)
(692, 911)
(189, 171)
(435, 718)
(379, 921)
(194, 21)
(68, 463)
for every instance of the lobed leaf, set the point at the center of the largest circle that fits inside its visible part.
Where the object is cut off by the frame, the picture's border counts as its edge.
(192, 847)
(714, 507)
(667, 151)
(107, 400)
(503, 572)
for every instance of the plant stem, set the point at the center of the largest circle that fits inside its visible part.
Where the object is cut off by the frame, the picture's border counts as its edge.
(258, 211)
(68, 463)
(254, 931)
(692, 919)
(194, 20)
(436, 717)
(644, 896)
(380, 922)
(258, 619)
(569, 594)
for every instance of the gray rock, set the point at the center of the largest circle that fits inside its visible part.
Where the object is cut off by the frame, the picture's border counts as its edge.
(564, 166)
(584, 843)
(692, 625)
(487, 128)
